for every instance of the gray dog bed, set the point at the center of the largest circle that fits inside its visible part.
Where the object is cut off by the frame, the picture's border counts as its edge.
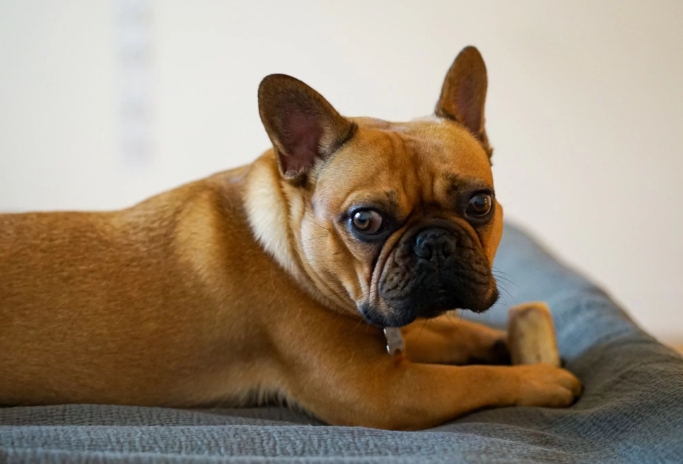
(631, 409)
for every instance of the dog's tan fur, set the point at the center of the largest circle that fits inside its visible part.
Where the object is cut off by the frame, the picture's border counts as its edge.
(244, 286)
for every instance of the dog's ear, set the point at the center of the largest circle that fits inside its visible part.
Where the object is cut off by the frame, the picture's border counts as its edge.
(463, 94)
(301, 124)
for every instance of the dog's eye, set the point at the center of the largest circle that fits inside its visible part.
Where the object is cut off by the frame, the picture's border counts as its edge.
(479, 205)
(367, 221)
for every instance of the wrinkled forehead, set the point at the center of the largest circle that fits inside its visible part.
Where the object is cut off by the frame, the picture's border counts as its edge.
(422, 160)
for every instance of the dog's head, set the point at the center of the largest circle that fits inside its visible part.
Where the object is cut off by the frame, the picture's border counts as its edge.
(394, 220)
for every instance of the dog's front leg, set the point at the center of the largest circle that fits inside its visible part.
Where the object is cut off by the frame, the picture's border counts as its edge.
(349, 379)
(450, 340)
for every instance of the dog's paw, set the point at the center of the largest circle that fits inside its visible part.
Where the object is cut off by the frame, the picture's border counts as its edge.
(546, 385)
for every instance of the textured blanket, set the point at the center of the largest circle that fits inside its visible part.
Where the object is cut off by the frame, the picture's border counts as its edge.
(631, 409)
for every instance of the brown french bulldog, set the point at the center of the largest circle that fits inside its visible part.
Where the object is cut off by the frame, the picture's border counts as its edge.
(275, 279)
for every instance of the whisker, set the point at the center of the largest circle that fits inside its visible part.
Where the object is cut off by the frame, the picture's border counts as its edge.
(453, 320)
(514, 300)
(322, 227)
(421, 329)
(501, 272)
(505, 279)
(504, 275)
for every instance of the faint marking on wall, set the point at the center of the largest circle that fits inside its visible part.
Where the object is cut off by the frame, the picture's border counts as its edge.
(135, 61)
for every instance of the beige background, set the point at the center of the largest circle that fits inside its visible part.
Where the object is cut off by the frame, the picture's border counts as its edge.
(585, 109)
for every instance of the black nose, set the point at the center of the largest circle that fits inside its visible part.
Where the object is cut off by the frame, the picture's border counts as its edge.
(434, 244)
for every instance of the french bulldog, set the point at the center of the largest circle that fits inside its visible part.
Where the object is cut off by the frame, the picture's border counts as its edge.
(276, 279)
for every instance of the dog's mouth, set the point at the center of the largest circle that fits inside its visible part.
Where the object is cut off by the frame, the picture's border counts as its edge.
(429, 298)
(427, 304)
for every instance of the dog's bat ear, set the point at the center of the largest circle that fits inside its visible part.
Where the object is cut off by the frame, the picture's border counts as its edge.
(463, 95)
(301, 124)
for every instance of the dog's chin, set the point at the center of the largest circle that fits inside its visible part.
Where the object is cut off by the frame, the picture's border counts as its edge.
(380, 319)
(403, 313)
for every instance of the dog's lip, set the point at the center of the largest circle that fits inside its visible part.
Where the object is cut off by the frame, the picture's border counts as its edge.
(367, 317)
(377, 319)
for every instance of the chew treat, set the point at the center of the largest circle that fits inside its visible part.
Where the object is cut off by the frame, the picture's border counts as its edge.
(531, 335)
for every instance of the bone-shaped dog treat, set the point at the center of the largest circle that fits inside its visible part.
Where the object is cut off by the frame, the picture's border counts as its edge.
(531, 335)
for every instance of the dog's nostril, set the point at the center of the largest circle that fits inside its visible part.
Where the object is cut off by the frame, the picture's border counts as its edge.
(435, 242)
(423, 248)
(447, 247)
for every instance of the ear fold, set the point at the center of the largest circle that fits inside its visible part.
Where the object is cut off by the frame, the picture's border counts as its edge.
(463, 94)
(301, 124)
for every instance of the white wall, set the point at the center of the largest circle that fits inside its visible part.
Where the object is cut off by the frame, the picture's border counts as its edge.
(585, 109)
